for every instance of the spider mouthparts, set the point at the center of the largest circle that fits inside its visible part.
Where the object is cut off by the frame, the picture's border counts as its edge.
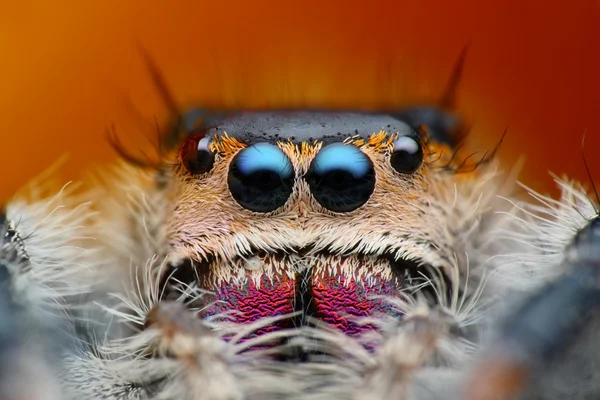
(338, 290)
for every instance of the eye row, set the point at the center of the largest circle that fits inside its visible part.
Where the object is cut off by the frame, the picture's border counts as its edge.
(341, 177)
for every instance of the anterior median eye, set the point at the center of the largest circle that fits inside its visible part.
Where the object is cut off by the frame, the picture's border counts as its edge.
(341, 177)
(197, 157)
(407, 156)
(261, 177)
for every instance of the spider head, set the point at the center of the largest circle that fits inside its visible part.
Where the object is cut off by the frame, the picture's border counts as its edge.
(324, 214)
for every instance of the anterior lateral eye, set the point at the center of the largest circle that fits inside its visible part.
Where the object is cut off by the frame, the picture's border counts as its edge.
(407, 156)
(196, 155)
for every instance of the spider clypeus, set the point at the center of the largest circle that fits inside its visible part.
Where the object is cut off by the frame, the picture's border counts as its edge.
(298, 254)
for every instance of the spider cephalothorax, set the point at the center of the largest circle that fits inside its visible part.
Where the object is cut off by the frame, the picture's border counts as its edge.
(281, 221)
(320, 213)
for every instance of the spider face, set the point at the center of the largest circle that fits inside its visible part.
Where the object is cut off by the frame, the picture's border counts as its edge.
(318, 213)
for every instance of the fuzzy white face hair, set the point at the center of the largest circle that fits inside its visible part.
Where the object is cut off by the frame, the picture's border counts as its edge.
(301, 255)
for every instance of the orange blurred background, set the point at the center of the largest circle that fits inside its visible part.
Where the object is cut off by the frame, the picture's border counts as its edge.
(70, 69)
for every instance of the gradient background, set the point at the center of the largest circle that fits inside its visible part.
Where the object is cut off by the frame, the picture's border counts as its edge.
(70, 69)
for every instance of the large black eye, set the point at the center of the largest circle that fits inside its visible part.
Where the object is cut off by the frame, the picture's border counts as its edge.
(261, 177)
(197, 157)
(341, 177)
(407, 156)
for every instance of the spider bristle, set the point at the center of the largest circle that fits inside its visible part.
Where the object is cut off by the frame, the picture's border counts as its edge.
(589, 173)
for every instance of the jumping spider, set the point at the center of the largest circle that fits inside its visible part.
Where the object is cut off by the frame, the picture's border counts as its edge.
(298, 254)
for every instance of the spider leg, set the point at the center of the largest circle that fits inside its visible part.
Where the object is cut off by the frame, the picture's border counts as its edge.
(546, 343)
(48, 278)
(407, 348)
(19, 364)
(24, 350)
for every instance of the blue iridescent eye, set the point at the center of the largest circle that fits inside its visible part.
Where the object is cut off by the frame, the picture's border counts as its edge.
(261, 177)
(407, 156)
(341, 177)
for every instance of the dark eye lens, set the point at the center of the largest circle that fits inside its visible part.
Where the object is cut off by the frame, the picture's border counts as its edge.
(341, 177)
(407, 156)
(196, 156)
(261, 177)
